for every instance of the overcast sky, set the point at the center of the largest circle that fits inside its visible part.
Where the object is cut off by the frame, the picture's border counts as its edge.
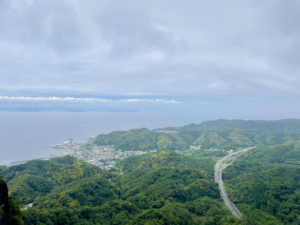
(171, 53)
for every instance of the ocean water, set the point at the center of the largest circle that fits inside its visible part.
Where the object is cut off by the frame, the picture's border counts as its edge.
(31, 135)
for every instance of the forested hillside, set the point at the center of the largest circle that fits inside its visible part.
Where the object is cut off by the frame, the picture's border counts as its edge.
(288, 153)
(159, 188)
(166, 159)
(267, 179)
(169, 186)
(262, 126)
(144, 139)
(38, 178)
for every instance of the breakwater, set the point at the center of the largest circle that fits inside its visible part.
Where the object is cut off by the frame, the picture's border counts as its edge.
(25, 161)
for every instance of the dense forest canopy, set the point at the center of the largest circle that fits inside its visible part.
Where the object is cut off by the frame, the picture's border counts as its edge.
(268, 179)
(167, 159)
(262, 126)
(157, 188)
(145, 140)
(174, 185)
(288, 153)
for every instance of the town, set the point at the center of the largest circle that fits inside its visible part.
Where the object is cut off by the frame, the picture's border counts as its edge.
(105, 157)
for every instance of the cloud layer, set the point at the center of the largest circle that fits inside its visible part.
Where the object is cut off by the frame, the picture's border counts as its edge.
(83, 100)
(149, 48)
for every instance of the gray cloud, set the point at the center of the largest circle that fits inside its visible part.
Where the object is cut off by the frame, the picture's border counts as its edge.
(149, 48)
(43, 24)
(279, 32)
(130, 31)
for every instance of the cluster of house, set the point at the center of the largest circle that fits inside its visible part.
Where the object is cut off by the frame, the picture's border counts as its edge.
(104, 156)
(68, 145)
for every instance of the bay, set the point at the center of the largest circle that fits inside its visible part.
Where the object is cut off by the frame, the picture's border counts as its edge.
(31, 135)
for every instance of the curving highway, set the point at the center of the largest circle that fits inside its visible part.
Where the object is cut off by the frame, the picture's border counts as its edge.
(219, 166)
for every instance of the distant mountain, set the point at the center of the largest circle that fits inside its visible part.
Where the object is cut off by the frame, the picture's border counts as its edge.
(262, 126)
(145, 140)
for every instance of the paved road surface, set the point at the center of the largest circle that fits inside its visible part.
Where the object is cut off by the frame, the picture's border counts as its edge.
(219, 166)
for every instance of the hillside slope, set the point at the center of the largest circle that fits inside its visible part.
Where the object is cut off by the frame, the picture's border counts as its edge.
(165, 159)
(145, 140)
(267, 179)
(262, 126)
(160, 188)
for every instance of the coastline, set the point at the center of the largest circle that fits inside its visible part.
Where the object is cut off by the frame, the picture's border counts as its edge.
(104, 157)
(67, 146)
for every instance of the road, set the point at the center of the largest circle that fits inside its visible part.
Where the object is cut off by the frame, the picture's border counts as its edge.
(219, 166)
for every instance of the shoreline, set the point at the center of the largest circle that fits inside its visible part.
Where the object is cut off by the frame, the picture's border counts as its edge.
(67, 146)
(104, 157)
(29, 160)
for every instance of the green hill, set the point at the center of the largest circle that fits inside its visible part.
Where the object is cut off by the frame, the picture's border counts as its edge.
(145, 140)
(159, 188)
(155, 188)
(267, 180)
(261, 126)
(163, 187)
(164, 159)
(38, 178)
(288, 153)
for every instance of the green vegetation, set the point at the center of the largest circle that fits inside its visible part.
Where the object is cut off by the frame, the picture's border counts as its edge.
(265, 181)
(10, 212)
(207, 153)
(145, 140)
(38, 178)
(174, 185)
(165, 159)
(157, 188)
(262, 126)
(288, 153)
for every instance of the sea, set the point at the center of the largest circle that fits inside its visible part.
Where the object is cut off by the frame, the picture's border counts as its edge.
(31, 135)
